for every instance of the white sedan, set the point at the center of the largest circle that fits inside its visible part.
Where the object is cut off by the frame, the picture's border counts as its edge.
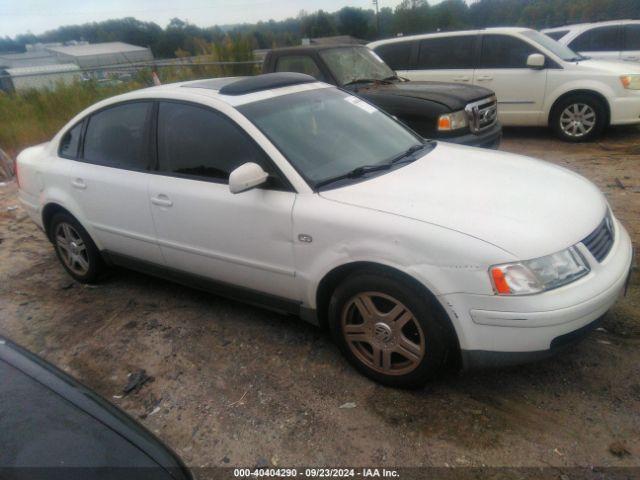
(289, 193)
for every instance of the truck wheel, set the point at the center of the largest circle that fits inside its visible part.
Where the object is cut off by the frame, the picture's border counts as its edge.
(579, 118)
(388, 329)
(75, 249)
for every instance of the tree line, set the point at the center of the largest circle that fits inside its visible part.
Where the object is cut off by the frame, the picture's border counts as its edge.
(180, 38)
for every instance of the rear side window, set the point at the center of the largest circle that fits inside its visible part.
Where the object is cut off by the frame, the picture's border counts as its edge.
(198, 142)
(70, 142)
(116, 137)
(632, 37)
(601, 39)
(300, 64)
(557, 35)
(503, 51)
(447, 52)
(396, 55)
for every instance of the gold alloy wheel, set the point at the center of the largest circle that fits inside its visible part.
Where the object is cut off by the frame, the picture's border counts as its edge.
(382, 333)
(72, 249)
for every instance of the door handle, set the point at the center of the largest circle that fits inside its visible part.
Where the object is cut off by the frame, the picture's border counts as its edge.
(162, 201)
(460, 79)
(631, 57)
(484, 78)
(79, 184)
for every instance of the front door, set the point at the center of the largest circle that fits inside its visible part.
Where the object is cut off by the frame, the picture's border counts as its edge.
(242, 239)
(520, 90)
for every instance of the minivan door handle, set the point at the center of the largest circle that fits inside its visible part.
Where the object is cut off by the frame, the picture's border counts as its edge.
(461, 79)
(79, 184)
(161, 200)
(484, 78)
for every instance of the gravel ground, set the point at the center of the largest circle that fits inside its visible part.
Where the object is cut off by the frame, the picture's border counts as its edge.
(238, 386)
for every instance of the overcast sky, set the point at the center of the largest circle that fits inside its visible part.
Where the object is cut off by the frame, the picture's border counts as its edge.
(37, 16)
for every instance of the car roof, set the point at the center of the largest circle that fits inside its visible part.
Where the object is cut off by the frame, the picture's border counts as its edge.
(421, 36)
(314, 48)
(233, 91)
(587, 25)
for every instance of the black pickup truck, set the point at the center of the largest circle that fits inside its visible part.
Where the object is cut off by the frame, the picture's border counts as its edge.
(450, 112)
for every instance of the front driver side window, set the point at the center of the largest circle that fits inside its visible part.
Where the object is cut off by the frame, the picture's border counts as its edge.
(299, 64)
(197, 142)
(503, 51)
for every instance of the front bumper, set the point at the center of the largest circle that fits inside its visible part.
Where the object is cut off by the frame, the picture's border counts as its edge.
(625, 110)
(489, 138)
(495, 330)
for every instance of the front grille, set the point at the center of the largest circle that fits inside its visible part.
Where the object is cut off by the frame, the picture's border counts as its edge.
(482, 114)
(599, 242)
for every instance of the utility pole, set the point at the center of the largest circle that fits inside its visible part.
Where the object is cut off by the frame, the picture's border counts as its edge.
(375, 3)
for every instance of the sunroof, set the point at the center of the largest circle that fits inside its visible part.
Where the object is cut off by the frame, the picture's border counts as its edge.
(213, 83)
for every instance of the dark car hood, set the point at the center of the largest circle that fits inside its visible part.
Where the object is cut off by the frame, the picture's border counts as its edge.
(455, 96)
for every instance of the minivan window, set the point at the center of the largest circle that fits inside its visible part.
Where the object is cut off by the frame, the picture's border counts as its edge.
(197, 142)
(352, 64)
(558, 49)
(325, 133)
(397, 55)
(116, 137)
(504, 51)
(601, 39)
(455, 52)
(632, 37)
(300, 64)
(557, 35)
(70, 142)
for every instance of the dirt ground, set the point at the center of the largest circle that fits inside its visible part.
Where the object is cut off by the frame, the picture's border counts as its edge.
(239, 386)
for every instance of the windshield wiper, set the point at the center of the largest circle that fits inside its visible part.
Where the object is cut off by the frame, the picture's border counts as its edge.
(363, 170)
(408, 154)
(366, 80)
(355, 173)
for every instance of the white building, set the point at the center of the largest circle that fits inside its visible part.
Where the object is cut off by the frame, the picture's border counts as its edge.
(39, 77)
(98, 55)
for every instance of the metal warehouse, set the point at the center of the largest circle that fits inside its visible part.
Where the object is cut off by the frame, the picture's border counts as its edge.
(101, 54)
(40, 77)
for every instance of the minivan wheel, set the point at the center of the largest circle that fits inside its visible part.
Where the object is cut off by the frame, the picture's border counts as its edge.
(388, 329)
(579, 118)
(75, 249)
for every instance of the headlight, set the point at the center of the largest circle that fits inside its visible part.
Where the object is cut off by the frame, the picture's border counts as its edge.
(630, 82)
(452, 121)
(539, 274)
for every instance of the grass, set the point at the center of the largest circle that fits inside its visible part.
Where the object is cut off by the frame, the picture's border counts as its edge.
(35, 116)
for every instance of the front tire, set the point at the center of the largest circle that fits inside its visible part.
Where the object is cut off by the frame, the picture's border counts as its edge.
(76, 251)
(579, 118)
(389, 329)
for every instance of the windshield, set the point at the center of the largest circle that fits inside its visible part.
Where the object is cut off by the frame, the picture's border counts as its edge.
(325, 133)
(350, 64)
(562, 51)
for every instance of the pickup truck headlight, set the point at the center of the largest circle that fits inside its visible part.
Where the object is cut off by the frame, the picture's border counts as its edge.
(540, 274)
(630, 82)
(452, 121)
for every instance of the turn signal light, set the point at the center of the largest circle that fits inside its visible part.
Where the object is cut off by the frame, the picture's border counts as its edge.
(444, 123)
(499, 281)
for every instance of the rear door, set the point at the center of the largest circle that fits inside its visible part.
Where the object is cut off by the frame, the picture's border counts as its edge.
(110, 180)
(503, 68)
(631, 44)
(400, 56)
(446, 59)
(604, 43)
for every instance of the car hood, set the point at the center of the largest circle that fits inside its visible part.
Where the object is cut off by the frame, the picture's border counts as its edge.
(524, 206)
(455, 96)
(618, 67)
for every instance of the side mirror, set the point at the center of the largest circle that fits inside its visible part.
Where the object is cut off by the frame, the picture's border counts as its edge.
(536, 60)
(247, 176)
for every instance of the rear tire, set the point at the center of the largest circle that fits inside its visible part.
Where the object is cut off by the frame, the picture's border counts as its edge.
(389, 329)
(76, 251)
(579, 118)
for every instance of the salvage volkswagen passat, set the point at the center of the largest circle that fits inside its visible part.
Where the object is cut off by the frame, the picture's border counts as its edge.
(289, 193)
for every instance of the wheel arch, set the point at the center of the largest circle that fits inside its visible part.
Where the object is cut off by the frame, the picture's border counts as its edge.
(332, 279)
(50, 210)
(589, 92)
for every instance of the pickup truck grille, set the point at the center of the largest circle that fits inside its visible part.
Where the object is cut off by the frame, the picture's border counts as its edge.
(600, 241)
(482, 114)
